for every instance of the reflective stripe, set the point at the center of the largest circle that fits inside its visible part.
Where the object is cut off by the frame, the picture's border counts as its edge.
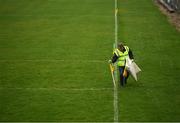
(117, 52)
(123, 55)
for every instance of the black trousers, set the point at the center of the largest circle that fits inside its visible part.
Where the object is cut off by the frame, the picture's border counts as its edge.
(123, 80)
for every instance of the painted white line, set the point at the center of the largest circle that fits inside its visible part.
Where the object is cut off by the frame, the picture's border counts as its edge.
(116, 23)
(116, 110)
(58, 89)
(60, 15)
(52, 60)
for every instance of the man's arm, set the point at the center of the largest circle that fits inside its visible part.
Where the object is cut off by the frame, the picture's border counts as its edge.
(114, 58)
(130, 54)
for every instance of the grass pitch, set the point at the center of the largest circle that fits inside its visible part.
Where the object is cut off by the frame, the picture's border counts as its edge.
(48, 50)
(53, 61)
(156, 46)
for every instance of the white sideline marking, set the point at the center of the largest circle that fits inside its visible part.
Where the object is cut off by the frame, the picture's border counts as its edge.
(59, 89)
(52, 60)
(116, 110)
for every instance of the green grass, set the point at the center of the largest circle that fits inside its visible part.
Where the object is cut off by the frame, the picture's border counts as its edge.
(51, 48)
(155, 97)
(53, 44)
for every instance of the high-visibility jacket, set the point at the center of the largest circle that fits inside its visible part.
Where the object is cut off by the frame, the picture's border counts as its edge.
(122, 56)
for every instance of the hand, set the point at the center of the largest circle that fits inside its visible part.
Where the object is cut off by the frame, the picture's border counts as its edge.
(132, 60)
(110, 61)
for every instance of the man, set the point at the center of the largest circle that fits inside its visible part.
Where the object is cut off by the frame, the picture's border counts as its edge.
(120, 54)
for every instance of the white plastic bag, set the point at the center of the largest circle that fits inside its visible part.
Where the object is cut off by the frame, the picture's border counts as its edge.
(132, 67)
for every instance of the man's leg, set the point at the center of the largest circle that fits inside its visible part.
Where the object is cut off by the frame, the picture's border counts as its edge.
(121, 70)
(125, 78)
